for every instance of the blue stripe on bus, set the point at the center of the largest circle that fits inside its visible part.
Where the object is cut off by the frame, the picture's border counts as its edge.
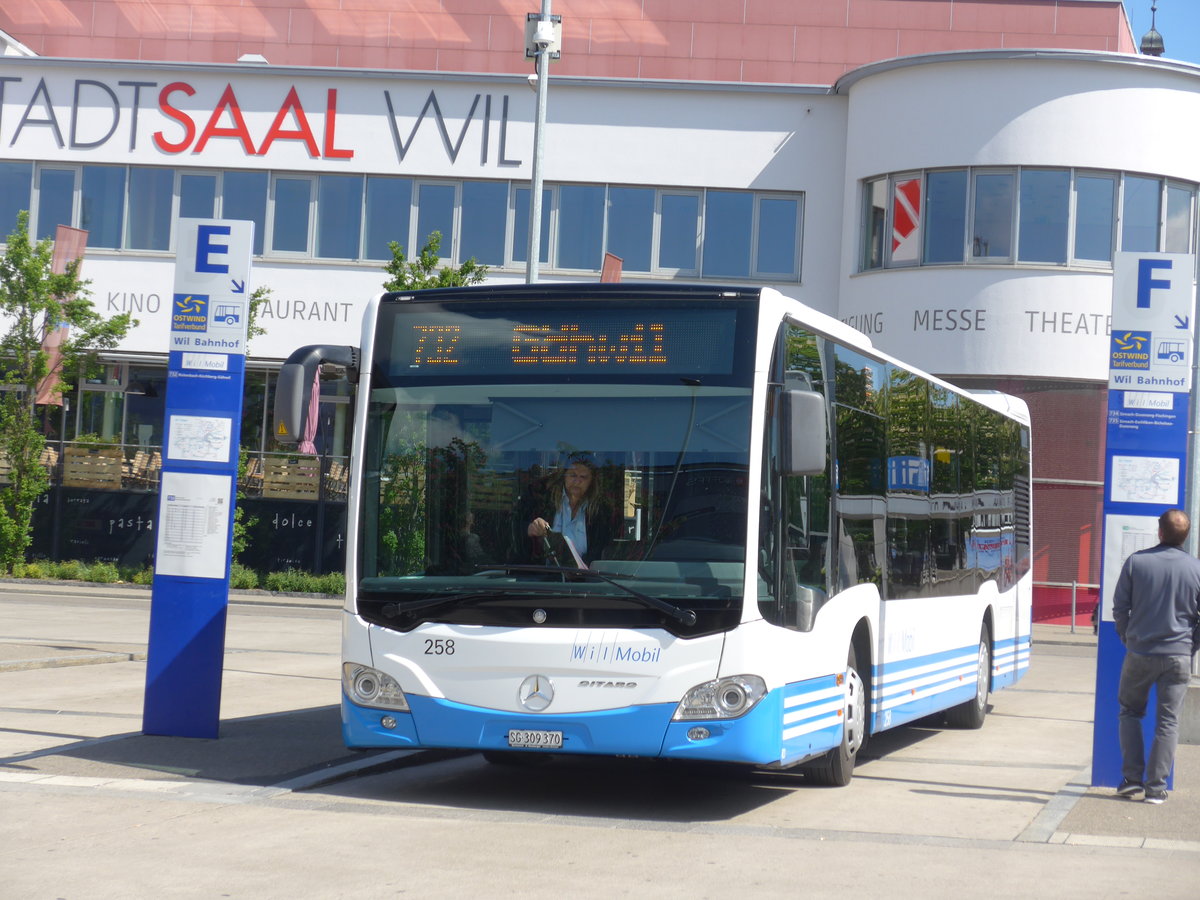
(633, 730)
(921, 706)
(947, 679)
(813, 717)
(754, 738)
(927, 684)
(1011, 661)
(361, 727)
(803, 719)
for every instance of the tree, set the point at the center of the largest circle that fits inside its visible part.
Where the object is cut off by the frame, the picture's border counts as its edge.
(402, 510)
(34, 300)
(241, 522)
(423, 272)
(258, 297)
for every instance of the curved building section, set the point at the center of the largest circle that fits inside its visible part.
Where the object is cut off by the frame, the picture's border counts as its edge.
(986, 196)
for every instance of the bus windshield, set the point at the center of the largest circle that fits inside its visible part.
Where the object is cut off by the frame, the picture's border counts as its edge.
(617, 492)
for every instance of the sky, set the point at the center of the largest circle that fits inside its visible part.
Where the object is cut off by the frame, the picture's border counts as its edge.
(1178, 21)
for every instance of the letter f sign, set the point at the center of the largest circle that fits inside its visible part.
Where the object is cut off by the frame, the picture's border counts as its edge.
(1147, 282)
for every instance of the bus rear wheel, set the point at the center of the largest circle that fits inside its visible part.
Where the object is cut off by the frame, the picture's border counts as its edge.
(972, 713)
(836, 768)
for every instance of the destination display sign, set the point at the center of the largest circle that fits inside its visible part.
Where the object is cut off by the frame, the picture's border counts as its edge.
(451, 342)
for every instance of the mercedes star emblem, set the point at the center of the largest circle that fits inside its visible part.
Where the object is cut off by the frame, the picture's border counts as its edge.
(536, 693)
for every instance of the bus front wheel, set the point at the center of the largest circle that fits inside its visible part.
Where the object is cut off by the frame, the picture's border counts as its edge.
(972, 713)
(837, 767)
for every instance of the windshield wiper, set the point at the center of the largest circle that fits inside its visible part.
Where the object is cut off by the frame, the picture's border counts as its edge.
(436, 604)
(678, 613)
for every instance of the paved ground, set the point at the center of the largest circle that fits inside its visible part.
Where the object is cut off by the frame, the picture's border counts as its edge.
(278, 807)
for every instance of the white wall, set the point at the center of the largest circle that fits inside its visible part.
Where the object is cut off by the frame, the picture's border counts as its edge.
(1099, 111)
(688, 136)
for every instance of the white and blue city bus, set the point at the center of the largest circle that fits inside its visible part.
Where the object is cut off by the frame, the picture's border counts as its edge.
(795, 541)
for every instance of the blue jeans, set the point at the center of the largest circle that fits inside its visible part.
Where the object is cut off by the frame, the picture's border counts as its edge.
(1170, 675)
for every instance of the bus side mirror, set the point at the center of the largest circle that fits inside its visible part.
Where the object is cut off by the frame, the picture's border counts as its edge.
(803, 433)
(293, 387)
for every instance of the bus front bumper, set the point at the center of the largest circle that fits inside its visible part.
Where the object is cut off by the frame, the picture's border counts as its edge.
(646, 731)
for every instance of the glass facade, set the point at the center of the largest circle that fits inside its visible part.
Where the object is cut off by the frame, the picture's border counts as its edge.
(719, 234)
(1024, 216)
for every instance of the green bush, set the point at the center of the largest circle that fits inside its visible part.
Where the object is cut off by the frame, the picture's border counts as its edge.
(295, 581)
(35, 569)
(242, 577)
(69, 570)
(142, 575)
(332, 583)
(291, 581)
(102, 572)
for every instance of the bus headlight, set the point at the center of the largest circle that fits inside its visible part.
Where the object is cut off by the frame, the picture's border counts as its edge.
(370, 687)
(725, 698)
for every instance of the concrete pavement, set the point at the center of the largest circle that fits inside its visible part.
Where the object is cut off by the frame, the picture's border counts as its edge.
(71, 679)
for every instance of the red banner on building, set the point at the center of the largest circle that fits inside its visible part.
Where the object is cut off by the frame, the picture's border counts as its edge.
(69, 246)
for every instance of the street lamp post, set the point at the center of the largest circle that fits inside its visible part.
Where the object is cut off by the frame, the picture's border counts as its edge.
(543, 36)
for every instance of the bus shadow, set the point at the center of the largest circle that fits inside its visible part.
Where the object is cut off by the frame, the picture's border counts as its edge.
(606, 788)
(257, 751)
(299, 745)
(581, 787)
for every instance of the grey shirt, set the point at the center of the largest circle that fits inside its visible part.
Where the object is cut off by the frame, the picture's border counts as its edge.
(1156, 605)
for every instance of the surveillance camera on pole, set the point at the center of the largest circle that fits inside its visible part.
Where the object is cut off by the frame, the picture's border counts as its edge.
(543, 40)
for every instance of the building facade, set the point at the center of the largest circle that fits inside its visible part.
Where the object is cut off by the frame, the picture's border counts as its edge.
(951, 177)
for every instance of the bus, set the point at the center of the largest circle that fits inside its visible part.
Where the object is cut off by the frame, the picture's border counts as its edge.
(789, 540)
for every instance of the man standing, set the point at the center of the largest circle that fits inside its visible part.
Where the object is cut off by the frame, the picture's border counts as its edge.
(1156, 607)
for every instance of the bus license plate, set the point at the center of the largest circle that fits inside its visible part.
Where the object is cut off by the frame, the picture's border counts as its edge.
(543, 740)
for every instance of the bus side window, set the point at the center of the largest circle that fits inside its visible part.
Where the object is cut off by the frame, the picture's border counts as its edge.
(805, 501)
(806, 506)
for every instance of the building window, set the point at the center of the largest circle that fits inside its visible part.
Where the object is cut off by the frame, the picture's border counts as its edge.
(1140, 213)
(435, 212)
(244, 196)
(728, 224)
(484, 216)
(520, 228)
(630, 233)
(1095, 208)
(580, 226)
(722, 234)
(945, 216)
(16, 186)
(992, 216)
(1023, 216)
(1177, 234)
(102, 205)
(678, 233)
(197, 195)
(905, 245)
(777, 237)
(151, 198)
(1044, 210)
(55, 201)
(874, 223)
(339, 215)
(291, 209)
(388, 203)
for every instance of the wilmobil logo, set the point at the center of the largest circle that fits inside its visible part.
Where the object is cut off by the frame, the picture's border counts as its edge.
(189, 312)
(1148, 400)
(1130, 350)
(605, 652)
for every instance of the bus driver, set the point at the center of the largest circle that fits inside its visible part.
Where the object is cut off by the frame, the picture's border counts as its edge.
(575, 511)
